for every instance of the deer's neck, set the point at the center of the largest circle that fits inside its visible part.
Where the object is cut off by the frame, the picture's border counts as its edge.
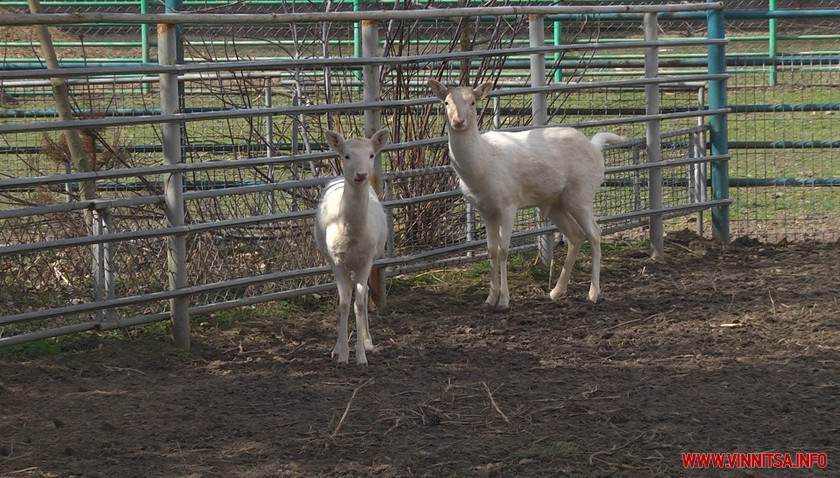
(354, 206)
(467, 151)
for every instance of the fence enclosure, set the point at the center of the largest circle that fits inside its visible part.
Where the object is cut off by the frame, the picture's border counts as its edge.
(203, 176)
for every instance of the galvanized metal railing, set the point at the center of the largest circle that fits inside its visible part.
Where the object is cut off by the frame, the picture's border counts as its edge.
(175, 195)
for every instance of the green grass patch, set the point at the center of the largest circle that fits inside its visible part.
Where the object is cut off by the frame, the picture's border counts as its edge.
(549, 448)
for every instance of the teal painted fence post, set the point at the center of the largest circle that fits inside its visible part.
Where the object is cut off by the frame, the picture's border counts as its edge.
(146, 46)
(176, 6)
(718, 134)
(558, 40)
(144, 33)
(357, 37)
(773, 46)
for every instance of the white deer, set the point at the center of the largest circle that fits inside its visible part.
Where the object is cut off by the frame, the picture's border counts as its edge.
(558, 169)
(350, 231)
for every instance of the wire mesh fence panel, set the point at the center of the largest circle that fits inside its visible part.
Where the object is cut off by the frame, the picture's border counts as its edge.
(786, 155)
(254, 163)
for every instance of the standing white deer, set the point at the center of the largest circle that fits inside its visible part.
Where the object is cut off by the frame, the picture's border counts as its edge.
(558, 169)
(350, 231)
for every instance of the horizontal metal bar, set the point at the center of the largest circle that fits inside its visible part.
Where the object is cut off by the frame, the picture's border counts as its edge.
(336, 62)
(635, 119)
(220, 188)
(246, 281)
(279, 186)
(159, 296)
(283, 185)
(48, 333)
(411, 173)
(201, 227)
(547, 229)
(202, 113)
(153, 233)
(783, 144)
(152, 170)
(135, 172)
(392, 269)
(689, 208)
(17, 183)
(803, 107)
(283, 275)
(782, 14)
(614, 84)
(786, 182)
(392, 203)
(256, 220)
(98, 69)
(802, 61)
(208, 115)
(281, 78)
(461, 246)
(666, 163)
(313, 109)
(14, 19)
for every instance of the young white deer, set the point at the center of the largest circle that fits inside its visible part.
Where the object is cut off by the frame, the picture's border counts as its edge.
(558, 169)
(350, 231)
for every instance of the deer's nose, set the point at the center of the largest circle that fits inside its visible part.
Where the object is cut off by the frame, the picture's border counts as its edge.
(360, 178)
(457, 122)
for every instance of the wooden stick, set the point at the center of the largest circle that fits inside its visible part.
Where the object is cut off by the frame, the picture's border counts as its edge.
(347, 408)
(493, 402)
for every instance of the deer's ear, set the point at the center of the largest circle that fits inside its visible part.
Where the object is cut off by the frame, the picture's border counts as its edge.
(380, 139)
(482, 90)
(335, 140)
(438, 89)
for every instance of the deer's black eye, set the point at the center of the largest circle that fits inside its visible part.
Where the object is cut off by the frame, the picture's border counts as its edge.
(446, 103)
(472, 104)
(371, 156)
(346, 156)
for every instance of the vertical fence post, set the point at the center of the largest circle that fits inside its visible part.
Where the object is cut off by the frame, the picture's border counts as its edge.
(637, 180)
(558, 40)
(773, 33)
(173, 183)
(718, 129)
(145, 45)
(700, 168)
(108, 265)
(653, 135)
(270, 150)
(371, 88)
(146, 52)
(536, 34)
(539, 113)
(297, 121)
(357, 37)
(98, 228)
(103, 264)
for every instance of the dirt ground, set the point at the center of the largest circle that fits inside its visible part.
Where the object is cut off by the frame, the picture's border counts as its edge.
(712, 349)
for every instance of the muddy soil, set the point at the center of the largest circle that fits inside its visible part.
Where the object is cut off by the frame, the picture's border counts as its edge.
(712, 349)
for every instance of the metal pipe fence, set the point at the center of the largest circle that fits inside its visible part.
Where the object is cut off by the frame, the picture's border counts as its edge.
(218, 213)
(804, 21)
